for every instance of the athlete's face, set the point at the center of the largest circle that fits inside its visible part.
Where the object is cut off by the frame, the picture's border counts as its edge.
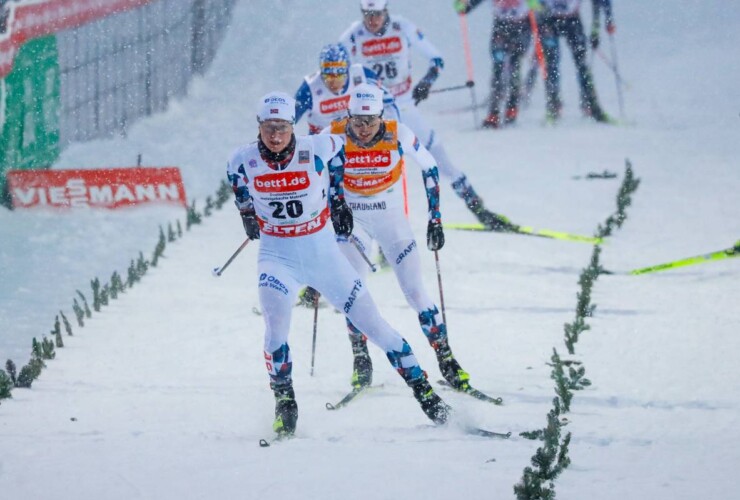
(374, 20)
(365, 127)
(276, 134)
(335, 83)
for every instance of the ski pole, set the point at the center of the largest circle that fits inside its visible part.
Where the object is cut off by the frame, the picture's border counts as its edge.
(469, 66)
(353, 239)
(539, 52)
(441, 293)
(617, 76)
(609, 64)
(218, 270)
(699, 259)
(315, 328)
(467, 84)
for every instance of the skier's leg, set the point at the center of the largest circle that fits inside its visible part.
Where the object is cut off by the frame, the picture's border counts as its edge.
(343, 288)
(362, 365)
(277, 291)
(576, 39)
(551, 49)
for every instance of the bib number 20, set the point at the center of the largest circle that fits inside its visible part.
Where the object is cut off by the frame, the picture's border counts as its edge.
(292, 209)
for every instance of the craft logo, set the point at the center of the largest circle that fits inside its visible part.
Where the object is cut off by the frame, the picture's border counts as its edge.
(95, 188)
(334, 105)
(382, 46)
(368, 159)
(283, 182)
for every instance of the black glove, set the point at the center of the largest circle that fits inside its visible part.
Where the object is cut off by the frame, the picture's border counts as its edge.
(341, 217)
(421, 91)
(251, 226)
(435, 236)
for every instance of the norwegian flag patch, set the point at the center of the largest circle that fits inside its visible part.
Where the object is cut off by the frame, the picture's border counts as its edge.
(274, 111)
(303, 157)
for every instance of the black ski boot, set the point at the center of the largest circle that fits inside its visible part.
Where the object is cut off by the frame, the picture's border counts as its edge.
(286, 410)
(432, 405)
(450, 368)
(494, 222)
(362, 375)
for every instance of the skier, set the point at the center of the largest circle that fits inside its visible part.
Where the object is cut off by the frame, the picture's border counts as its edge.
(562, 18)
(281, 187)
(323, 96)
(383, 43)
(510, 38)
(375, 149)
(611, 27)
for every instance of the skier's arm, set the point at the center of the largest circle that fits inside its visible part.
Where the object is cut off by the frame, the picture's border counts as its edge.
(237, 175)
(410, 145)
(303, 100)
(329, 150)
(417, 39)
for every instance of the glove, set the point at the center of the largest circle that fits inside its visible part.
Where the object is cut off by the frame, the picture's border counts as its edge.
(594, 39)
(251, 226)
(435, 235)
(421, 91)
(341, 217)
(461, 6)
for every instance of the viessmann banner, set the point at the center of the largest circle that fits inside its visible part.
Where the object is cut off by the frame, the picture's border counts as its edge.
(96, 188)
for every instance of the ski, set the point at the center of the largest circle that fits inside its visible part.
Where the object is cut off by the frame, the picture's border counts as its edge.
(266, 443)
(526, 230)
(699, 259)
(350, 396)
(473, 392)
(477, 431)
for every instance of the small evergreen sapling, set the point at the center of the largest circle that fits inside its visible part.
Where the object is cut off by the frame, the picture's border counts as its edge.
(88, 314)
(57, 332)
(6, 385)
(170, 233)
(179, 229)
(79, 313)
(67, 325)
(95, 285)
(104, 293)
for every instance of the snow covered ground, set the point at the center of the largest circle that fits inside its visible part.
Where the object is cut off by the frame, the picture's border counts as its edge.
(164, 393)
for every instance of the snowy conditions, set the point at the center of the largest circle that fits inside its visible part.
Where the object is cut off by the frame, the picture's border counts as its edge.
(163, 394)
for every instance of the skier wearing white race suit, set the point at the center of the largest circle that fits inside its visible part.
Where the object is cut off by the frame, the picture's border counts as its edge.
(291, 194)
(383, 43)
(373, 169)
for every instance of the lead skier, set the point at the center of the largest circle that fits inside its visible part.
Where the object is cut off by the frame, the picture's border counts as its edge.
(375, 149)
(281, 183)
(383, 43)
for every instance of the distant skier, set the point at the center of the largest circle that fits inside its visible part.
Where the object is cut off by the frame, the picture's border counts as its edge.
(286, 191)
(383, 42)
(375, 149)
(323, 96)
(561, 18)
(510, 38)
(599, 6)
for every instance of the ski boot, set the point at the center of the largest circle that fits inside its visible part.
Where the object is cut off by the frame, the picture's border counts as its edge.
(286, 410)
(510, 116)
(494, 222)
(450, 368)
(362, 375)
(432, 405)
(308, 297)
(491, 121)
